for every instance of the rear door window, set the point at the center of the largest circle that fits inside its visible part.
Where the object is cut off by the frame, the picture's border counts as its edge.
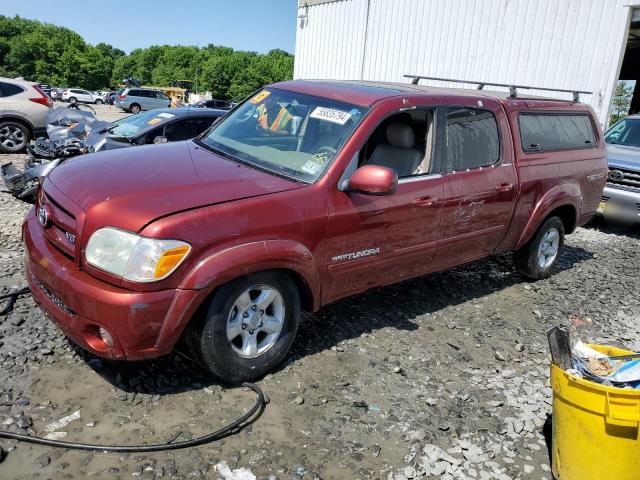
(472, 138)
(556, 131)
(9, 89)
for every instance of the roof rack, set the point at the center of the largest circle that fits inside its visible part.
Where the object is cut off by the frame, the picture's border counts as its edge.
(513, 92)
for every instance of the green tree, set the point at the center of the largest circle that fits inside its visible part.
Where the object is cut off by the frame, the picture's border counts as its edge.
(621, 102)
(56, 55)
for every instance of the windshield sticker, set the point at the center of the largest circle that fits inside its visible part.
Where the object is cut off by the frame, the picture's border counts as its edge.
(166, 115)
(154, 120)
(331, 115)
(312, 167)
(259, 97)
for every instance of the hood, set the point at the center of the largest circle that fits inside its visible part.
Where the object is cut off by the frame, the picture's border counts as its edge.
(130, 188)
(623, 156)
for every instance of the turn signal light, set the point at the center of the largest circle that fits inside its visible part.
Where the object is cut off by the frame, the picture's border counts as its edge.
(169, 260)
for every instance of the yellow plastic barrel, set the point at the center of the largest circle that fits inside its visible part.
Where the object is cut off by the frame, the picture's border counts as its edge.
(595, 433)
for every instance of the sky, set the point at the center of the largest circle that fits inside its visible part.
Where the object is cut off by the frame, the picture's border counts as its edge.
(257, 25)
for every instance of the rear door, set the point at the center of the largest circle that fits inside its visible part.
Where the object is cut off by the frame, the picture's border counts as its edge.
(480, 181)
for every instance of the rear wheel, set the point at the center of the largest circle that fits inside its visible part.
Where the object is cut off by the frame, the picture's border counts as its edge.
(248, 327)
(539, 257)
(73, 100)
(134, 108)
(14, 137)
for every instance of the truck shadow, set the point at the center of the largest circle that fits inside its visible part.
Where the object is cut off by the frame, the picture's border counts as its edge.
(395, 306)
(609, 228)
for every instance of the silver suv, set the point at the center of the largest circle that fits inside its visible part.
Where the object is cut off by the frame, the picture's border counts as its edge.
(23, 114)
(135, 99)
(621, 195)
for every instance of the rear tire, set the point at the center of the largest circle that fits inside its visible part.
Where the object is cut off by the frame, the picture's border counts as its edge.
(14, 137)
(538, 258)
(248, 327)
(73, 100)
(134, 108)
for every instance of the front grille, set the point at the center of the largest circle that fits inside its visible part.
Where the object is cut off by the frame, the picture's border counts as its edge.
(53, 297)
(624, 178)
(62, 231)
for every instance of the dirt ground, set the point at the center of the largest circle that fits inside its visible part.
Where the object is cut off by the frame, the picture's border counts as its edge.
(439, 377)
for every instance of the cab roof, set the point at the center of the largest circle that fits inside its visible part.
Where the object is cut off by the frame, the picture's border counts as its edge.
(366, 93)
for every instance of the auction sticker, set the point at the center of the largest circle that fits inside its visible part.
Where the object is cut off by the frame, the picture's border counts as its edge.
(165, 115)
(331, 115)
(154, 120)
(259, 97)
(312, 167)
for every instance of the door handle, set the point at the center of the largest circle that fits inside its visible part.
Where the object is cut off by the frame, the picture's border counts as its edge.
(504, 187)
(425, 201)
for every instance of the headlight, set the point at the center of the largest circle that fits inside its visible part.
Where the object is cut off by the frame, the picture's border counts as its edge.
(132, 257)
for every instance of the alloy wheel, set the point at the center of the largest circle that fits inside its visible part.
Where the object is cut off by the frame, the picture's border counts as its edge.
(255, 321)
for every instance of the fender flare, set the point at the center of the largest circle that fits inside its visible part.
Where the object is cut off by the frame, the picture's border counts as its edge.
(237, 261)
(562, 195)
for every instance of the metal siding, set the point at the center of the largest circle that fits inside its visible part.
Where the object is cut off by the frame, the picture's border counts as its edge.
(330, 40)
(550, 43)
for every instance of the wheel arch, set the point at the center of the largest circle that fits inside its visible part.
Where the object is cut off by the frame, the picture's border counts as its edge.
(563, 201)
(223, 266)
(217, 269)
(20, 120)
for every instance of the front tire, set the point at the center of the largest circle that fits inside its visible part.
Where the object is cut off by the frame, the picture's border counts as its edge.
(248, 327)
(14, 137)
(538, 258)
(99, 102)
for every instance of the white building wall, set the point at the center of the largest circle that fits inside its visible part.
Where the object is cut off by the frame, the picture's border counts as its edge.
(567, 44)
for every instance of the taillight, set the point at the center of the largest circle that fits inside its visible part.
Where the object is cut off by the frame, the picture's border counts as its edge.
(43, 99)
(122, 97)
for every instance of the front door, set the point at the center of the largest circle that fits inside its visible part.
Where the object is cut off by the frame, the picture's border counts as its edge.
(378, 240)
(480, 183)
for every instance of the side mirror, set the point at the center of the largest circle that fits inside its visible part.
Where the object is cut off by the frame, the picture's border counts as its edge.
(374, 180)
(160, 140)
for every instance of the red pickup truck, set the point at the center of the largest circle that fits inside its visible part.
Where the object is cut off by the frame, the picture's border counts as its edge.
(305, 193)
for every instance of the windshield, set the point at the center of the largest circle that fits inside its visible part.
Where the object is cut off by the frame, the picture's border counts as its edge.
(288, 133)
(129, 126)
(625, 132)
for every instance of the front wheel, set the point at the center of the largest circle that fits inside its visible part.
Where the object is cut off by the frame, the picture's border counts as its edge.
(248, 327)
(538, 258)
(99, 102)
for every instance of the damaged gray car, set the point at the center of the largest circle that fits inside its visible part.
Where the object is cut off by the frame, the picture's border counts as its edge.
(73, 132)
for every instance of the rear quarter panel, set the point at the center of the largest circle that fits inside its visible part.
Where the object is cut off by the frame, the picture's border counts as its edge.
(553, 179)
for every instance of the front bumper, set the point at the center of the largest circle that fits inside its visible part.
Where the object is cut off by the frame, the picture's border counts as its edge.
(142, 324)
(620, 204)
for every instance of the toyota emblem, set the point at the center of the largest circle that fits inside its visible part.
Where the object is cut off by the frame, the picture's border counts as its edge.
(43, 216)
(616, 175)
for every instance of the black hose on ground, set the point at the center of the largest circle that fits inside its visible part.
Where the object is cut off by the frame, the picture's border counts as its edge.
(12, 296)
(234, 427)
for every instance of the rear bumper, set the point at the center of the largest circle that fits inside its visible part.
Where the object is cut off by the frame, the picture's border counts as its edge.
(620, 204)
(142, 324)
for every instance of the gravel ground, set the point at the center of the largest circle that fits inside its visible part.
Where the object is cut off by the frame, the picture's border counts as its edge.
(440, 377)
